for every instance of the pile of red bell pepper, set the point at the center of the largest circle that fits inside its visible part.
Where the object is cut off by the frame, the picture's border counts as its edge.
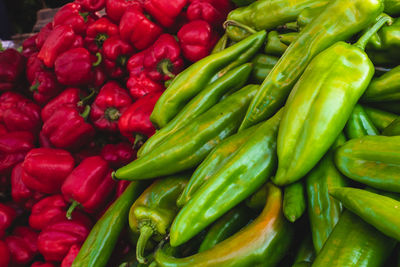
(75, 105)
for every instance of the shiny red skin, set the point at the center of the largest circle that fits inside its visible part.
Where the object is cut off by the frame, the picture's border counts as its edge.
(99, 31)
(47, 210)
(12, 66)
(118, 155)
(22, 245)
(164, 11)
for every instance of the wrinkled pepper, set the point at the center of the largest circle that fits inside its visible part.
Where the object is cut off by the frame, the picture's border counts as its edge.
(12, 67)
(98, 32)
(116, 53)
(141, 85)
(320, 108)
(45, 87)
(22, 244)
(118, 155)
(239, 175)
(72, 15)
(359, 124)
(46, 211)
(274, 46)
(204, 132)
(265, 241)
(115, 9)
(7, 216)
(164, 11)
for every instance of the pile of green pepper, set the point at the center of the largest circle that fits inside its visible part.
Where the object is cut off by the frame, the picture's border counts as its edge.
(281, 148)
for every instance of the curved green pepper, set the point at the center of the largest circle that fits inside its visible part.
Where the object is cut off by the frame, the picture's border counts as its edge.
(384, 88)
(392, 7)
(208, 97)
(226, 226)
(188, 146)
(320, 105)
(193, 79)
(393, 128)
(320, 34)
(294, 201)
(240, 177)
(98, 246)
(390, 106)
(264, 242)
(380, 118)
(274, 45)
(323, 210)
(371, 160)
(213, 162)
(221, 44)
(382, 212)
(279, 12)
(308, 14)
(354, 243)
(256, 201)
(359, 124)
(262, 65)
(305, 253)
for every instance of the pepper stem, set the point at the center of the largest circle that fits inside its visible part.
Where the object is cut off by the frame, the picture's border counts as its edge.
(139, 140)
(164, 67)
(100, 39)
(145, 233)
(112, 114)
(363, 41)
(34, 87)
(71, 208)
(85, 112)
(86, 98)
(238, 24)
(99, 59)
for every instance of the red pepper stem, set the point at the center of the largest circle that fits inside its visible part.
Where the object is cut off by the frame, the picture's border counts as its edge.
(238, 24)
(164, 66)
(34, 87)
(145, 233)
(71, 208)
(363, 41)
(99, 59)
(85, 112)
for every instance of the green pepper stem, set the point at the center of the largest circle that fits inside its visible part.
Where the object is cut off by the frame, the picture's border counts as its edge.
(99, 59)
(238, 24)
(139, 140)
(164, 67)
(86, 98)
(85, 112)
(145, 233)
(34, 87)
(363, 41)
(71, 208)
(112, 114)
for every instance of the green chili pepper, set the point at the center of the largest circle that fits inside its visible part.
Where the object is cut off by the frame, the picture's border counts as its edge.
(226, 226)
(294, 201)
(382, 212)
(288, 38)
(322, 33)
(221, 44)
(371, 160)
(152, 213)
(320, 104)
(380, 118)
(308, 14)
(98, 246)
(359, 124)
(262, 65)
(354, 243)
(384, 88)
(207, 98)
(392, 7)
(264, 242)
(274, 45)
(393, 128)
(240, 177)
(390, 106)
(257, 200)
(193, 79)
(323, 210)
(253, 16)
(188, 146)
(305, 253)
(213, 163)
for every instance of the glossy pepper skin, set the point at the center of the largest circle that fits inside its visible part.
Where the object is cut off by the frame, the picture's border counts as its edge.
(116, 53)
(384, 88)
(294, 201)
(196, 39)
(371, 160)
(12, 66)
(359, 124)
(98, 32)
(264, 241)
(320, 107)
(91, 5)
(115, 9)
(97, 248)
(192, 80)
(137, 29)
(29, 46)
(22, 244)
(274, 45)
(55, 240)
(323, 210)
(71, 15)
(68, 96)
(217, 158)
(314, 38)
(48, 209)
(45, 169)
(380, 118)
(89, 184)
(7, 216)
(71, 255)
(43, 34)
(151, 215)
(118, 155)
(34, 65)
(141, 85)
(212, 11)
(215, 197)
(45, 87)
(354, 242)
(392, 129)
(209, 96)
(262, 66)
(204, 132)
(164, 11)
(109, 105)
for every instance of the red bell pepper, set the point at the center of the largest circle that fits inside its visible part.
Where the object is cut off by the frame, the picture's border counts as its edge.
(71, 255)
(91, 5)
(196, 39)
(164, 11)
(57, 238)
(116, 8)
(46, 211)
(142, 85)
(68, 96)
(29, 46)
(137, 29)
(99, 31)
(43, 34)
(22, 245)
(18, 113)
(7, 216)
(135, 123)
(72, 15)
(34, 65)
(12, 64)
(42, 264)
(118, 155)
(116, 53)
(13, 148)
(45, 87)
(67, 128)
(99, 77)
(74, 67)
(91, 149)
(61, 39)
(89, 185)
(109, 105)
(212, 11)
(45, 169)
(3, 129)
(4, 254)
(121, 186)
